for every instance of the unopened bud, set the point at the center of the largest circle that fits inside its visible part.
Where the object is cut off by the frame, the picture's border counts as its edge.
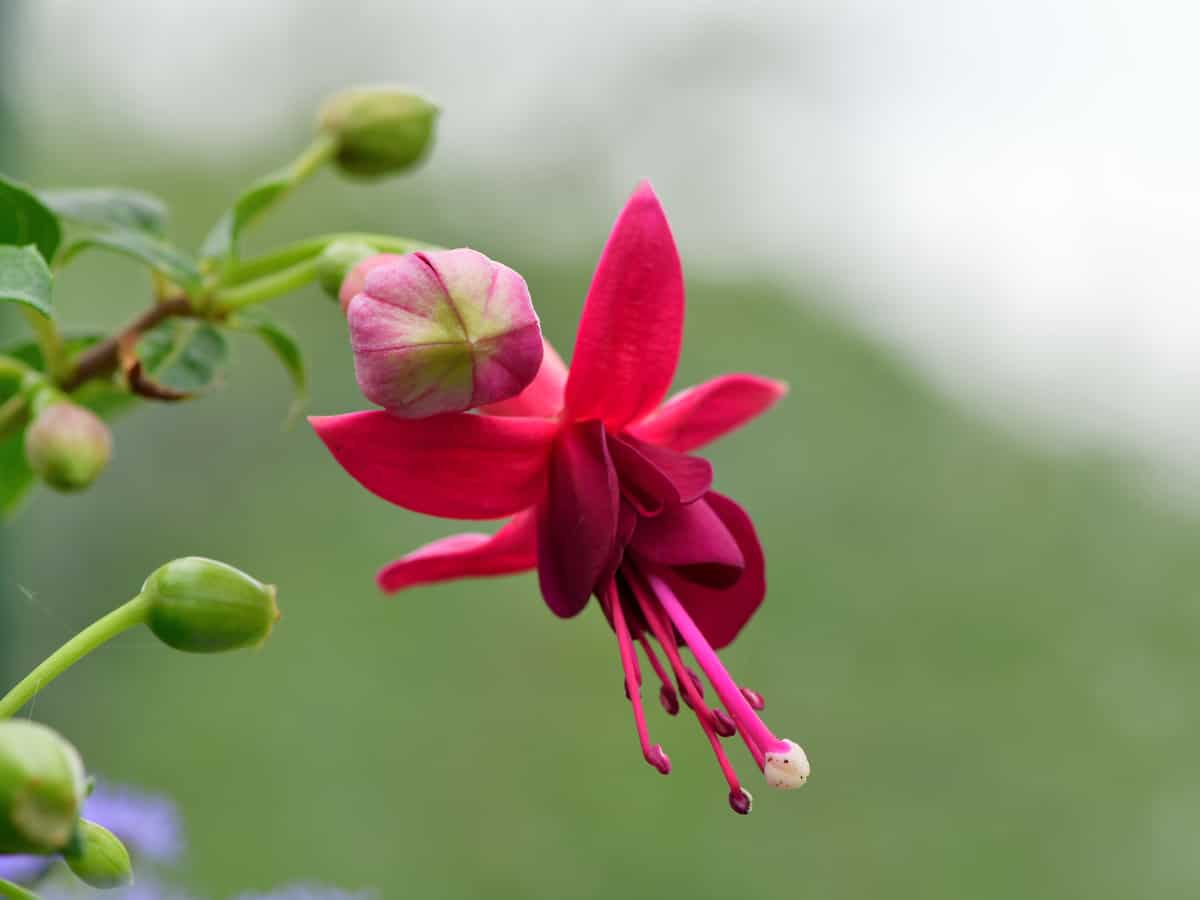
(356, 279)
(203, 606)
(337, 261)
(99, 859)
(443, 331)
(67, 446)
(380, 130)
(42, 787)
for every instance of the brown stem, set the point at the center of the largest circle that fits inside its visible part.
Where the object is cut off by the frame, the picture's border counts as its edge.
(104, 358)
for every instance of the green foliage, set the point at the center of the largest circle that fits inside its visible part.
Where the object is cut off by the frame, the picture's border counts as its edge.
(184, 356)
(24, 219)
(16, 478)
(106, 207)
(25, 278)
(285, 347)
(222, 241)
(160, 256)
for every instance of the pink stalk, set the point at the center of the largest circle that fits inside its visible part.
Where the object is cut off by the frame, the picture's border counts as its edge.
(653, 754)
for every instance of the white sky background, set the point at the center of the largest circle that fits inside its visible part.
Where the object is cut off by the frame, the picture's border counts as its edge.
(1009, 192)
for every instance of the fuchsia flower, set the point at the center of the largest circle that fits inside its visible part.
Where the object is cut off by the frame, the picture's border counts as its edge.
(605, 498)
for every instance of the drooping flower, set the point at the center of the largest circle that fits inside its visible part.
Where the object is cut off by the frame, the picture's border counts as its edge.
(605, 497)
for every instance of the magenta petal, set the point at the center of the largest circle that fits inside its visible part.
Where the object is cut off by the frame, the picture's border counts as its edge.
(655, 477)
(511, 549)
(458, 466)
(543, 396)
(577, 520)
(632, 324)
(692, 538)
(721, 613)
(703, 413)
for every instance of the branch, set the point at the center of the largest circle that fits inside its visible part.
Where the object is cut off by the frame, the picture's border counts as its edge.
(104, 358)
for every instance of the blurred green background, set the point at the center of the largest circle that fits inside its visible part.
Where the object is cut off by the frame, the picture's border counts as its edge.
(988, 651)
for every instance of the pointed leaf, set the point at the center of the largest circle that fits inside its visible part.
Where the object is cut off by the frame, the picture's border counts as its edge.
(160, 256)
(221, 242)
(283, 344)
(109, 207)
(25, 278)
(16, 478)
(184, 357)
(24, 219)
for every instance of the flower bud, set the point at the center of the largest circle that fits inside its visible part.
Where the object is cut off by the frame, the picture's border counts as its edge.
(356, 279)
(42, 787)
(337, 261)
(203, 606)
(99, 860)
(379, 130)
(67, 446)
(442, 331)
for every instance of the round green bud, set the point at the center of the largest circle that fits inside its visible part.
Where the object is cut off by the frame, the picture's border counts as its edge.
(99, 859)
(67, 446)
(203, 606)
(42, 787)
(336, 261)
(379, 130)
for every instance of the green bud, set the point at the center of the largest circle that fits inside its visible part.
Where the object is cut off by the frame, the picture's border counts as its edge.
(380, 130)
(336, 261)
(203, 606)
(42, 786)
(100, 860)
(67, 446)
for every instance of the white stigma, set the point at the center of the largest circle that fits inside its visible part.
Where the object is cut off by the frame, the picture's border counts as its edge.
(786, 768)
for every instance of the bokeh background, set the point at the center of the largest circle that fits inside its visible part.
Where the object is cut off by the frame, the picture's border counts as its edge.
(964, 234)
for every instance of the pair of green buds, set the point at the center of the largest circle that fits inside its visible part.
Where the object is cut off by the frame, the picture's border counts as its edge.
(191, 604)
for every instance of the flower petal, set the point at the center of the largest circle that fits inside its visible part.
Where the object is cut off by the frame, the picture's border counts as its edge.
(511, 549)
(577, 520)
(352, 284)
(721, 613)
(701, 414)
(632, 325)
(543, 396)
(655, 477)
(457, 465)
(693, 539)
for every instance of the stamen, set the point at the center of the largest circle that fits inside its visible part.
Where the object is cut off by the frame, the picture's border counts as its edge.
(740, 801)
(723, 724)
(666, 693)
(754, 698)
(654, 755)
(784, 763)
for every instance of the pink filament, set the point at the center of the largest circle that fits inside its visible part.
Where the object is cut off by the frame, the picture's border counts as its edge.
(653, 755)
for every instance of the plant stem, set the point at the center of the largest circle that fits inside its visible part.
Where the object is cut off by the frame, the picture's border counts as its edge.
(48, 339)
(265, 288)
(291, 254)
(13, 368)
(11, 891)
(119, 620)
(102, 358)
(12, 413)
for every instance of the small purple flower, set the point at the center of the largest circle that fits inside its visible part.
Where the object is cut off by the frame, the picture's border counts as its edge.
(148, 824)
(307, 892)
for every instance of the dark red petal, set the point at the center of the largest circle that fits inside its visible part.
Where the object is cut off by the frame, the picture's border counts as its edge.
(721, 614)
(692, 538)
(457, 465)
(703, 413)
(577, 519)
(632, 325)
(511, 549)
(543, 396)
(653, 477)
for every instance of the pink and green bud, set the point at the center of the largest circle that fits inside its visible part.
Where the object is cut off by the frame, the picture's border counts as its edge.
(42, 787)
(356, 278)
(379, 131)
(98, 858)
(67, 446)
(444, 331)
(203, 606)
(337, 261)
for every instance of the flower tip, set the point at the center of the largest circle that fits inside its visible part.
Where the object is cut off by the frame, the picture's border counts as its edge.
(741, 801)
(669, 699)
(658, 758)
(786, 767)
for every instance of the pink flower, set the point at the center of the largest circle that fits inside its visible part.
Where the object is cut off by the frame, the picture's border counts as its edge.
(440, 331)
(604, 496)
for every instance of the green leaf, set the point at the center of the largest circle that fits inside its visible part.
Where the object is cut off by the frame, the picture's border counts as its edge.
(183, 356)
(221, 242)
(25, 278)
(107, 207)
(16, 478)
(10, 891)
(283, 344)
(160, 256)
(24, 219)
